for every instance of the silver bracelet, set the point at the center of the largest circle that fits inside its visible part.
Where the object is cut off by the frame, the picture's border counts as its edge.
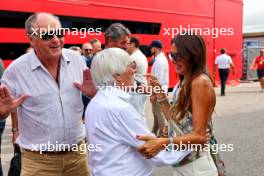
(162, 100)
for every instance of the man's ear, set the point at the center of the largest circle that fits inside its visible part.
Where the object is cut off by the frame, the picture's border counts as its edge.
(30, 37)
(110, 42)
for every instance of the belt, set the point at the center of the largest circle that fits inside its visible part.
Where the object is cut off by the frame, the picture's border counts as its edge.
(66, 150)
(48, 152)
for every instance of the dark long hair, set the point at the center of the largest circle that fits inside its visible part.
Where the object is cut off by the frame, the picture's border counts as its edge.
(192, 48)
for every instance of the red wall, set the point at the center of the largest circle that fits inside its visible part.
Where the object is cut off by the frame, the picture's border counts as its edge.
(170, 13)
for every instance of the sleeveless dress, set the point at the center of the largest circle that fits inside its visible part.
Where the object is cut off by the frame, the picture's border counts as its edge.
(198, 163)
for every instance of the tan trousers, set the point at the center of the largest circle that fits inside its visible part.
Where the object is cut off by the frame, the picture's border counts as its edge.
(159, 120)
(73, 163)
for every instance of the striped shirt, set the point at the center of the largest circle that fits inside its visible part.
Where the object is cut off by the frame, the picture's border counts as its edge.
(52, 114)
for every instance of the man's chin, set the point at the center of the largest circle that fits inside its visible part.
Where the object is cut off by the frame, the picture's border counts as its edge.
(56, 54)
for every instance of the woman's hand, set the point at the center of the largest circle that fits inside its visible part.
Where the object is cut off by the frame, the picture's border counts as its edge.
(152, 146)
(155, 86)
(153, 98)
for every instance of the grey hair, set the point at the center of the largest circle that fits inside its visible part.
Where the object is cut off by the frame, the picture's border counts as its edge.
(115, 31)
(106, 64)
(94, 40)
(31, 20)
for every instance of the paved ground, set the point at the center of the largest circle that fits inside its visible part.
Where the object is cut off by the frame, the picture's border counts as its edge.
(238, 120)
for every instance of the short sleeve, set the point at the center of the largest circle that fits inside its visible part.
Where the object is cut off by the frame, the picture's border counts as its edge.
(216, 60)
(9, 80)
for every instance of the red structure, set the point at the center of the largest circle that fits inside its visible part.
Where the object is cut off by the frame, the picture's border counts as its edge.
(220, 22)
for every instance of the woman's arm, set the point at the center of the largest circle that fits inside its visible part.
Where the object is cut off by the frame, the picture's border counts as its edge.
(203, 102)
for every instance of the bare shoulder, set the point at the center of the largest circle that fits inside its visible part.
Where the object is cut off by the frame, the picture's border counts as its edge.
(202, 81)
(203, 90)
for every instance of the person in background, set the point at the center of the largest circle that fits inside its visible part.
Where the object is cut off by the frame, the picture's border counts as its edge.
(76, 48)
(87, 52)
(96, 45)
(139, 58)
(2, 121)
(140, 78)
(224, 62)
(258, 64)
(116, 35)
(160, 69)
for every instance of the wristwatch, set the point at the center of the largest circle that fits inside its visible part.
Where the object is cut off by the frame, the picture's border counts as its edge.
(14, 129)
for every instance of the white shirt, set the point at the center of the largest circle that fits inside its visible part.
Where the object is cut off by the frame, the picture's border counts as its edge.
(142, 66)
(223, 61)
(113, 123)
(138, 101)
(51, 114)
(160, 69)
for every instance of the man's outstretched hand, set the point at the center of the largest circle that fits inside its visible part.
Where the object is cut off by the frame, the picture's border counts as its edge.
(7, 102)
(87, 87)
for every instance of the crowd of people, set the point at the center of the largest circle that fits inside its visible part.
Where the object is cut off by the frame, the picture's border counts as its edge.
(79, 95)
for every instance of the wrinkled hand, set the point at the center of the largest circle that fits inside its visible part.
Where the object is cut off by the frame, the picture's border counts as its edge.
(87, 87)
(153, 80)
(7, 102)
(152, 146)
(155, 86)
(153, 98)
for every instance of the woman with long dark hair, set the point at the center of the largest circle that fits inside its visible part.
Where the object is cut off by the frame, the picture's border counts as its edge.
(190, 114)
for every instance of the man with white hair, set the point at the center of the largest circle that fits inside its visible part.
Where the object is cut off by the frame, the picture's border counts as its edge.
(114, 123)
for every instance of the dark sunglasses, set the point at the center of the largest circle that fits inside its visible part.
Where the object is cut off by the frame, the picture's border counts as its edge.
(175, 56)
(87, 50)
(50, 34)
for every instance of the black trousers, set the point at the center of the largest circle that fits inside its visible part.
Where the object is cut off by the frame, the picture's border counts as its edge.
(223, 73)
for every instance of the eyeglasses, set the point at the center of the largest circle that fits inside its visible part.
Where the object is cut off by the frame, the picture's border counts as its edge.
(48, 35)
(87, 50)
(175, 56)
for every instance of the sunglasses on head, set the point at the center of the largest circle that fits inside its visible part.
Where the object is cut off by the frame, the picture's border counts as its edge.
(48, 35)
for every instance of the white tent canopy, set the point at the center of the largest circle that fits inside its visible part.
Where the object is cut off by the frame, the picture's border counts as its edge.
(253, 16)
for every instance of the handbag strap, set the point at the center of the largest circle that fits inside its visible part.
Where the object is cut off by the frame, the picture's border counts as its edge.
(17, 149)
